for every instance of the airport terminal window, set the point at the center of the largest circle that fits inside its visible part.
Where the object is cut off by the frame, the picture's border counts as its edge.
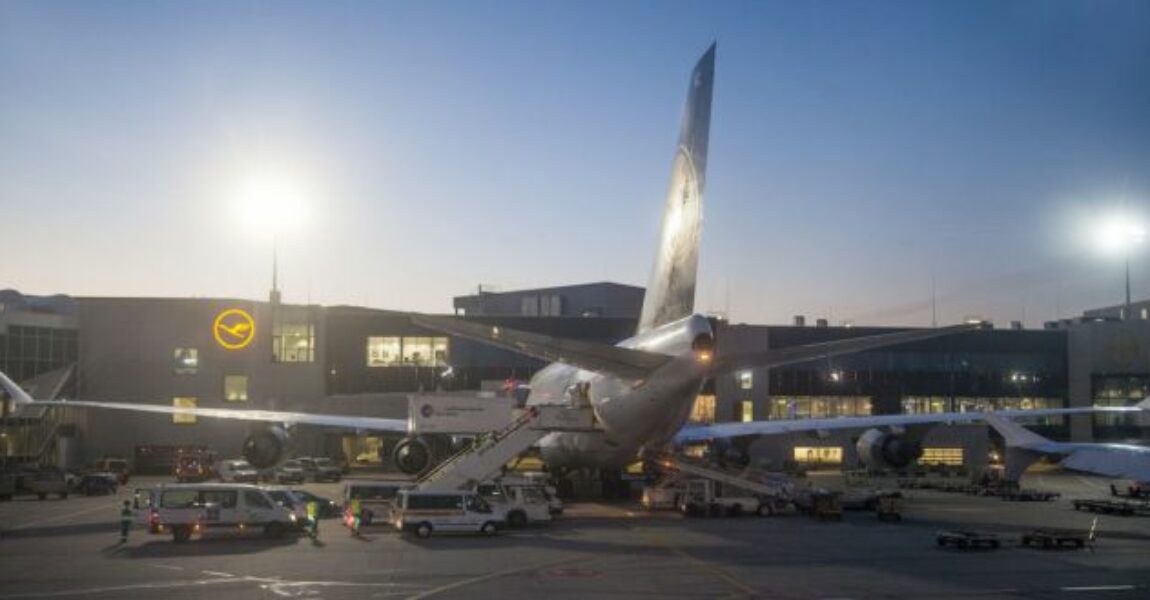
(407, 351)
(942, 456)
(186, 361)
(747, 411)
(746, 379)
(704, 409)
(1118, 391)
(819, 407)
(184, 402)
(293, 337)
(236, 388)
(831, 455)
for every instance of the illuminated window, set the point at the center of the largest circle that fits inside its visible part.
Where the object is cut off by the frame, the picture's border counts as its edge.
(746, 380)
(832, 455)
(942, 456)
(183, 402)
(236, 388)
(383, 352)
(293, 336)
(817, 407)
(407, 352)
(748, 411)
(704, 409)
(186, 361)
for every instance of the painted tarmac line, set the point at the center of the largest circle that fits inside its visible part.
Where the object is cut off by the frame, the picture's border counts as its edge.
(706, 567)
(168, 567)
(158, 585)
(480, 579)
(1099, 588)
(217, 574)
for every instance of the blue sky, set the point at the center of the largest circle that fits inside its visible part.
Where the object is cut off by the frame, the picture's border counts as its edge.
(859, 150)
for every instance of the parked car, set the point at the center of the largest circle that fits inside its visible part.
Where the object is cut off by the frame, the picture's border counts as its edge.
(108, 464)
(98, 484)
(291, 471)
(321, 469)
(236, 471)
(193, 467)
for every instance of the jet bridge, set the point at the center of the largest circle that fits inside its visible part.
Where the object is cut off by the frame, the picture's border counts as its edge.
(490, 452)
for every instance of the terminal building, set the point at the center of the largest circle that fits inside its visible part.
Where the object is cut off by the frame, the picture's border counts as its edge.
(237, 353)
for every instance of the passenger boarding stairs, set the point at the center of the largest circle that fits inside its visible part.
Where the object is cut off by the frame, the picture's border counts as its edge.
(490, 452)
(757, 482)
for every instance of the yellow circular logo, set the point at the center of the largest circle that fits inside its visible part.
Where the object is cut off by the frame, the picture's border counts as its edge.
(234, 328)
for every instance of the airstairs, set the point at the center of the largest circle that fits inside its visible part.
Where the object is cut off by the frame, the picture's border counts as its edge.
(490, 452)
(755, 481)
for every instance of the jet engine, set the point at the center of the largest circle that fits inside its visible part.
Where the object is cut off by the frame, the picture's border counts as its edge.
(878, 449)
(266, 448)
(413, 455)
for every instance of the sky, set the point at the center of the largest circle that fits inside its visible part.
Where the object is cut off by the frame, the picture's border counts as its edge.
(884, 163)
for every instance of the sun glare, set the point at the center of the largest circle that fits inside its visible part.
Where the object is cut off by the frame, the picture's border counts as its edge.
(271, 204)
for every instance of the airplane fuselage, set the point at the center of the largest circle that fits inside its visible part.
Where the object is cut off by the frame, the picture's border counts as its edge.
(633, 415)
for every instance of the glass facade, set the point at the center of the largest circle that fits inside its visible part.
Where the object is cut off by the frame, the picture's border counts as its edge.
(942, 456)
(819, 407)
(829, 455)
(394, 351)
(293, 336)
(27, 351)
(1119, 391)
(747, 411)
(704, 409)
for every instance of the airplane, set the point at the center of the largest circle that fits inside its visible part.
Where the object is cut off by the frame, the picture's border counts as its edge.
(642, 389)
(1118, 461)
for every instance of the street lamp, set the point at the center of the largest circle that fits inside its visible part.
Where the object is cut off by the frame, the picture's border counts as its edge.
(1119, 233)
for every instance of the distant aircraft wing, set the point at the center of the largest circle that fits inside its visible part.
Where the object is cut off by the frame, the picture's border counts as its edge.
(1125, 461)
(267, 416)
(699, 433)
(778, 357)
(20, 397)
(614, 360)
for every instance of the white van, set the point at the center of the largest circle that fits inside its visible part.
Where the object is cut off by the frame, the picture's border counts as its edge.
(520, 501)
(184, 509)
(423, 513)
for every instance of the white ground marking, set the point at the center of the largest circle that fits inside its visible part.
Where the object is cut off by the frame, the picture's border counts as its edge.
(168, 567)
(295, 589)
(157, 585)
(217, 574)
(496, 575)
(1099, 588)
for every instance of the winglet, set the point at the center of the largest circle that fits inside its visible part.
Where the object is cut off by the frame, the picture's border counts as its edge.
(1016, 435)
(1144, 405)
(17, 393)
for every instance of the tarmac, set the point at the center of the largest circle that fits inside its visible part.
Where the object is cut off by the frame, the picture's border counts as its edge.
(69, 549)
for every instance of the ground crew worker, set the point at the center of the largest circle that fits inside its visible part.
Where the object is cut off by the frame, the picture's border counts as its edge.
(125, 521)
(356, 513)
(313, 519)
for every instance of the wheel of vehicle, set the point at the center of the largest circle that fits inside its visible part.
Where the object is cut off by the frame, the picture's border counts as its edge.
(423, 530)
(516, 519)
(488, 529)
(181, 533)
(765, 510)
(275, 530)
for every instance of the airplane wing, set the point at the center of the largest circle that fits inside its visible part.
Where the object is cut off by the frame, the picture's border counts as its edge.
(267, 416)
(622, 362)
(1125, 461)
(777, 357)
(699, 433)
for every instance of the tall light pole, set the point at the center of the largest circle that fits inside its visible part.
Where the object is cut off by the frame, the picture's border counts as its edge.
(1121, 233)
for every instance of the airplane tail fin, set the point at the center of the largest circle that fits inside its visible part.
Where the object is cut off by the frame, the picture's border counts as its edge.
(671, 289)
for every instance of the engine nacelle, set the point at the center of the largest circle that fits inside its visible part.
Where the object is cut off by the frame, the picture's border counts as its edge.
(878, 449)
(413, 455)
(265, 449)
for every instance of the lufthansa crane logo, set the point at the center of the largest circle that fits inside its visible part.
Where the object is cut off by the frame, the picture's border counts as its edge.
(234, 328)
